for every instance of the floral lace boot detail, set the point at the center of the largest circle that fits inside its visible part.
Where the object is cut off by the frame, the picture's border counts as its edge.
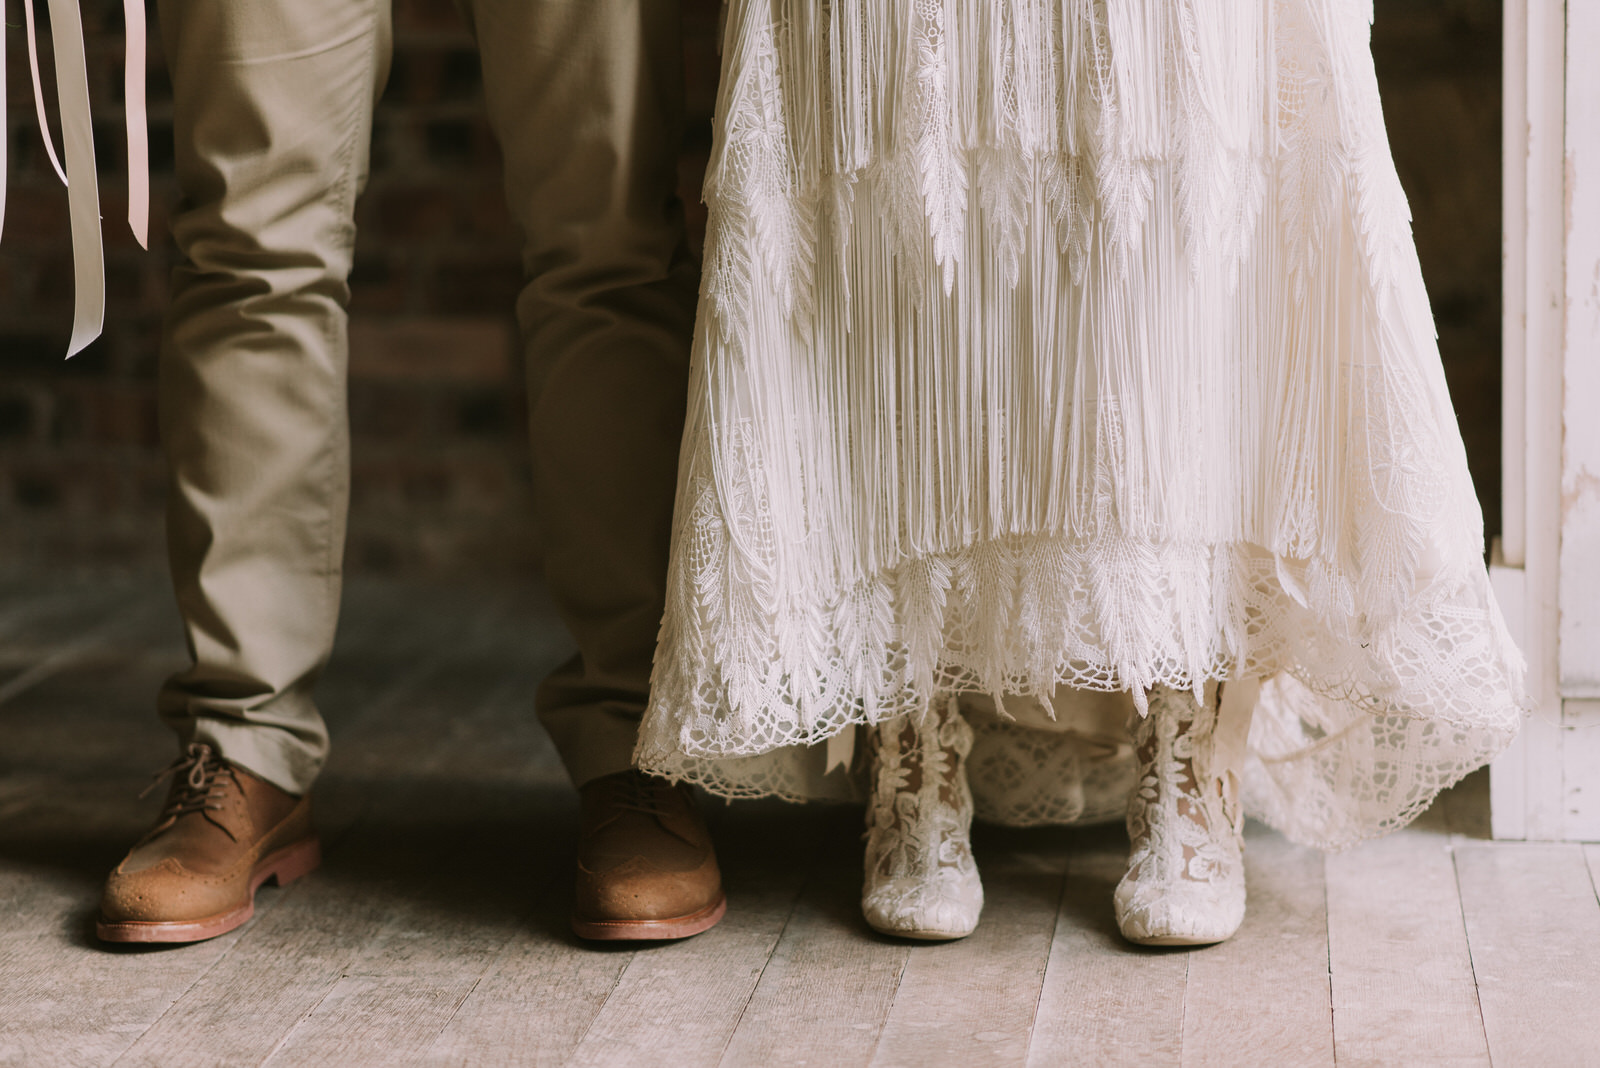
(1185, 879)
(921, 880)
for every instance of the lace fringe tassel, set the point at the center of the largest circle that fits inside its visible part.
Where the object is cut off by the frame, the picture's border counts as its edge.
(1183, 369)
(1134, 275)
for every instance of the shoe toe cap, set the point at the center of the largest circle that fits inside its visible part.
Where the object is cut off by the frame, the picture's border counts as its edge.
(1191, 913)
(165, 892)
(639, 891)
(922, 910)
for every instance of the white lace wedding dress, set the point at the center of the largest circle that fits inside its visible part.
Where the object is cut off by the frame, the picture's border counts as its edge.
(1049, 347)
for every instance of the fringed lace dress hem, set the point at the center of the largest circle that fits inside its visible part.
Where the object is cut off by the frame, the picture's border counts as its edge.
(1056, 347)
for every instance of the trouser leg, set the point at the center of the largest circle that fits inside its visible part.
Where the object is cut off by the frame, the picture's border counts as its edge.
(272, 116)
(586, 99)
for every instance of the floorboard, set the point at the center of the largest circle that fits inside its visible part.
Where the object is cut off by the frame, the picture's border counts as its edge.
(314, 973)
(1403, 989)
(436, 931)
(1105, 1001)
(973, 1001)
(1263, 997)
(827, 990)
(43, 634)
(1533, 924)
(538, 998)
(681, 1002)
(68, 1002)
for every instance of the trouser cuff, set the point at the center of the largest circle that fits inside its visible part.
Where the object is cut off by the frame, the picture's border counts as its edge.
(272, 755)
(593, 741)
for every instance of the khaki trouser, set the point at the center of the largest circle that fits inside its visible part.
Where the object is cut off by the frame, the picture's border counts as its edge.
(273, 115)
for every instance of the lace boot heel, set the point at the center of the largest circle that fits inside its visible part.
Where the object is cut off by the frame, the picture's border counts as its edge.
(1185, 882)
(921, 881)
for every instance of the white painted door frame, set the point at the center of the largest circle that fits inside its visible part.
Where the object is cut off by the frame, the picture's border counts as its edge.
(1546, 563)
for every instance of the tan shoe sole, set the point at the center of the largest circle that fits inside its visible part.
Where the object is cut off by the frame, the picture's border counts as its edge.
(651, 930)
(283, 867)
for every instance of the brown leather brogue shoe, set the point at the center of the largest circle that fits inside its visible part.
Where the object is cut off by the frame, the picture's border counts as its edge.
(223, 833)
(646, 868)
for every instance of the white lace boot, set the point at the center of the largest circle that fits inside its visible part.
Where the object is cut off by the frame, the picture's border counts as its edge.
(1185, 880)
(921, 880)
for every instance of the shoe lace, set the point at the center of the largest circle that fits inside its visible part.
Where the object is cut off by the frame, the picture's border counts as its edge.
(197, 778)
(638, 793)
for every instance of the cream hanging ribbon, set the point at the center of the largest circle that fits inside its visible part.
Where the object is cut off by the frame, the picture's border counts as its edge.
(77, 138)
(841, 750)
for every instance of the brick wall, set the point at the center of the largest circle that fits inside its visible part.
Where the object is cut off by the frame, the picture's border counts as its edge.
(438, 417)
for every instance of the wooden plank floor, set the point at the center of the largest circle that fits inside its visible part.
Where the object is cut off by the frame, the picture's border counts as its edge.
(435, 932)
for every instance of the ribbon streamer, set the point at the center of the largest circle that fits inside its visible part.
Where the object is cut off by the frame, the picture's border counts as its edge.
(5, 135)
(77, 139)
(841, 750)
(83, 197)
(38, 87)
(133, 75)
(77, 142)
